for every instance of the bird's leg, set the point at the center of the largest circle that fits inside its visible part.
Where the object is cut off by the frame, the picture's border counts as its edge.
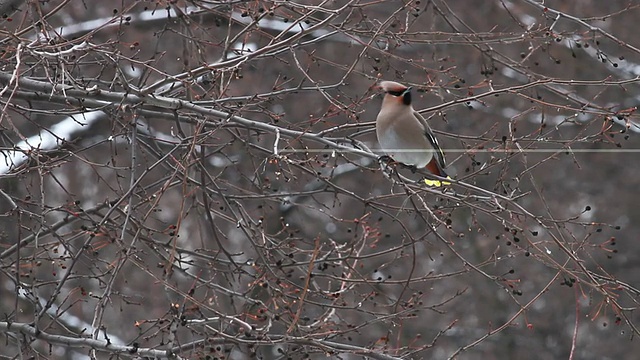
(413, 168)
(385, 158)
(389, 161)
(386, 165)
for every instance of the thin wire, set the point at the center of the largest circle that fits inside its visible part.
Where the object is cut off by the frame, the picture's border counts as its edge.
(475, 151)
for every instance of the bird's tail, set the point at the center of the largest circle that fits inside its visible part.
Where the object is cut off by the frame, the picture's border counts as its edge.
(436, 183)
(436, 169)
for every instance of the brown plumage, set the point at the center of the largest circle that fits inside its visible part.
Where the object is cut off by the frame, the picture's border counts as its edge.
(404, 134)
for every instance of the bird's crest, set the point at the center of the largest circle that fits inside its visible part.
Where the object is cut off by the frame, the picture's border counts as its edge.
(398, 91)
(392, 86)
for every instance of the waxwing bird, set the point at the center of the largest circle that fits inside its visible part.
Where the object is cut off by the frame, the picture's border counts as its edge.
(404, 134)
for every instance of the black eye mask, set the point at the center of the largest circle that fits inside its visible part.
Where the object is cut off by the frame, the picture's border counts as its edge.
(395, 93)
(406, 95)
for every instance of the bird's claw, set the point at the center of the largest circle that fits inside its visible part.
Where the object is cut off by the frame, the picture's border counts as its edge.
(385, 159)
(386, 165)
(413, 168)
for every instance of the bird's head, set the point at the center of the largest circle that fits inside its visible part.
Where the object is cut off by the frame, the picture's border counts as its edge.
(396, 92)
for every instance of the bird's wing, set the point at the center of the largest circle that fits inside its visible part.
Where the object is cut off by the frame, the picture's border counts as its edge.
(439, 154)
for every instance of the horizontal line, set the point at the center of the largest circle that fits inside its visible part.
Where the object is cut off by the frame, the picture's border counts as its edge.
(284, 151)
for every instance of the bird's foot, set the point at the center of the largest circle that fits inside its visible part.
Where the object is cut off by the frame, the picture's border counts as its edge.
(387, 165)
(413, 168)
(385, 159)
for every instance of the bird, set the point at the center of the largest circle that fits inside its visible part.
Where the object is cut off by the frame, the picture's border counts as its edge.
(404, 134)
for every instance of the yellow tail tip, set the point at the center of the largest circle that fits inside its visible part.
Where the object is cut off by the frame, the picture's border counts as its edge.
(436, 183)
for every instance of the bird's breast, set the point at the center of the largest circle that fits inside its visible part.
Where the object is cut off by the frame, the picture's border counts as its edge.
(411, 148)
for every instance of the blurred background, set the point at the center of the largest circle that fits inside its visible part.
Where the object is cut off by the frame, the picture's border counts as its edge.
(200, 179)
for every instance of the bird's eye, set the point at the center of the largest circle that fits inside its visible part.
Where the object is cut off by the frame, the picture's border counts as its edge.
(395, 93)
